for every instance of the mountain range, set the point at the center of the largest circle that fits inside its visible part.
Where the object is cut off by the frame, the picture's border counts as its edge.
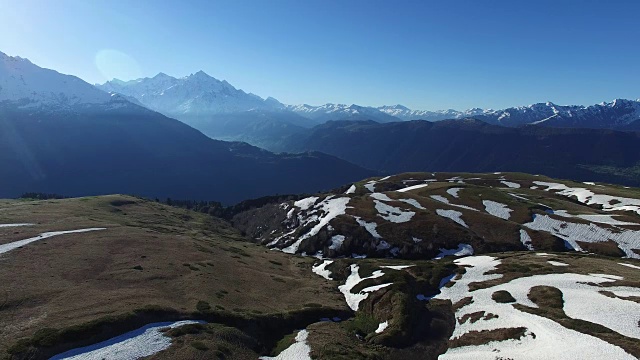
(200, 95)
(59, 134)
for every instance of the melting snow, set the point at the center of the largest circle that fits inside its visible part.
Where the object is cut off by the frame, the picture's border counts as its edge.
(369, 226)
(557, 263)
(413, 187)
(322, 269)
(511, 184)
(519, 197)
(299, 350)
(462, 250)
(453, 192)
(396, 267)
(444, 200)
(631, 266)
(525, 239)
(351, 190)
(306, 203)
(497, 209)
(586, 196)
(353, 300)
(453, 215)
(544, 338)
(382, 326)
(14, 225)
(597, 218)
(332, 208)
(392, 213)
(336, 242)
(571, 232)
(136, 344)
(16, 244)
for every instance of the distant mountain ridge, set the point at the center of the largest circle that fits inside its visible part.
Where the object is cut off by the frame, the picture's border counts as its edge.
(59, 134)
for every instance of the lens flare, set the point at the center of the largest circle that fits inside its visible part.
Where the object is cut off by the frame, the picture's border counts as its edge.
(114, 64)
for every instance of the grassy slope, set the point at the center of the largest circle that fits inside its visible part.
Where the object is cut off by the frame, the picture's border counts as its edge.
(150, 254)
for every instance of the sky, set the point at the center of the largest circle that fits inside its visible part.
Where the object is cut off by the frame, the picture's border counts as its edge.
(423, 54)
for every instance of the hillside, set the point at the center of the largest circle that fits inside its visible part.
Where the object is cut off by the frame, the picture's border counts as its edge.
(116, 276)
(475, 146)
(426, 216)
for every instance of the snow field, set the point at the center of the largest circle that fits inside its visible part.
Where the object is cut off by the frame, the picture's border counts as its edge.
(497, 209)
(133, 345)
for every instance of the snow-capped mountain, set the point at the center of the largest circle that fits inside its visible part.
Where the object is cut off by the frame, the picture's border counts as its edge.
(617, 114)
(195, 95)
(26, 85)
(404, 113)
(328, 112)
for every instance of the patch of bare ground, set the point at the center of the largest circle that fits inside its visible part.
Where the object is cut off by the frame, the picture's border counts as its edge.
(485, 336)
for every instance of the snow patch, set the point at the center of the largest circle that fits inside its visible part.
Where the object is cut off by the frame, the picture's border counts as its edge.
(525, 239)
(453, 215)
(14, 225)
(413, 187)
(392, 213)
(497, 209)
(627, 240)
(462, 250)
(321, 269)
(382, 326)
(336, 242)
(353, 300)
(631, 266)
(511, 184)
(454, 192)
(586, 196)
(300, 350)
(4, 248)
(136, 344)
(557, 263)
(306, 203)
(351, 190)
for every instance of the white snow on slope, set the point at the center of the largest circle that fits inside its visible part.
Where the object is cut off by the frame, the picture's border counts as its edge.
(14, 225)
(544, 338)
(597, 218)
(497, 209)
(392, 213)
(586, 196)
(454, 192)
(462, 250)
(305, 204)
(16, 244)
(525, 239)
(351, 189)
(627, 240)
(322, 269)
(396, 267)
(381, 196)
(300, 350)
(382, 326)
(511, 184)
(519, 197)
(336, 242)
(557, 263)
(453, 215)
(413, 187)
(353, 300)
(330, 209)
(133, 345)
(631, 266)
(369, 226)
(444, 200)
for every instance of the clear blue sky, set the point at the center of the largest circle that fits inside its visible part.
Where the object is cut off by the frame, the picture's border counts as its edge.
(423, 54)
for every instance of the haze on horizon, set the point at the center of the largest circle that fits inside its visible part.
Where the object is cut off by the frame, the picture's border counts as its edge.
(425, 55)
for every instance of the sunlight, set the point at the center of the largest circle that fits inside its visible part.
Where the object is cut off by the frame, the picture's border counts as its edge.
(114, 64)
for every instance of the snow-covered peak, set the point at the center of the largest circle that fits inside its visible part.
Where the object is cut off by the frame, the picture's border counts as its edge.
(32, 86)
(195, 94)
